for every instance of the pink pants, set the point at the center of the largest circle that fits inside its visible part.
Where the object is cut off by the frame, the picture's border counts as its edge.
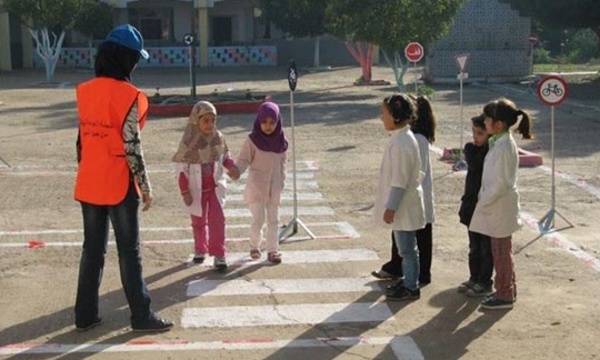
(505, 281)
(209, 230)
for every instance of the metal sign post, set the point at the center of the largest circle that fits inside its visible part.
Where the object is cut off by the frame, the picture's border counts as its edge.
(461, 61)
(291, 228)
(414, 52)
(190, 40)
(552, 90)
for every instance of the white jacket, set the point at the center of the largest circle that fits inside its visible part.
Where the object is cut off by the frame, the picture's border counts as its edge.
(401, 167)
(497, 210)
(266, 173)
(193, 172)
(427, 183)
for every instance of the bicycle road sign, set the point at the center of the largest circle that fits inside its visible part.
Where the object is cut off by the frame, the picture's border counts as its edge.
(552, 90)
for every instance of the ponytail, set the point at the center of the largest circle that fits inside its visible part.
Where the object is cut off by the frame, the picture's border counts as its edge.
(425, 122)
(525, 126)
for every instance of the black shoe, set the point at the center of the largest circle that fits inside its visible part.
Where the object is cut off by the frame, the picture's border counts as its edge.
(394, 287)
(198, 258)
(85, 327)
(424, 281)
(153, 324)
(403, 294)
(383, 275)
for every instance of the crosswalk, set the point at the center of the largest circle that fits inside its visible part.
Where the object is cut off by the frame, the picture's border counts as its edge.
(236, 294)
(313, 310)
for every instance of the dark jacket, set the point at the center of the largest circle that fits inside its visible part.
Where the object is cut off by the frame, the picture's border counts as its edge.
(474, 155)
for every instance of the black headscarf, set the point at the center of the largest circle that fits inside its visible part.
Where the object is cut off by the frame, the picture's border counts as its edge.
(115, 61)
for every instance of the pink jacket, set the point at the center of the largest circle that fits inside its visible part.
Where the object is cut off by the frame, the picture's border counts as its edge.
(266, 173)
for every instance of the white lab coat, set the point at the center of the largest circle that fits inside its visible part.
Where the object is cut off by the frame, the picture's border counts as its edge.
(193, 172)
(266, 173)
(497, 210)
(427, 183)
(401, 167)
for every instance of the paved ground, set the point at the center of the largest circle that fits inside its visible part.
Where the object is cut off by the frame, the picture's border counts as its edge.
(339, 140)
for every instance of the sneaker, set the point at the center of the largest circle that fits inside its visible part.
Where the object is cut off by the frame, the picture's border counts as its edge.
(199, 258)
(494, 303)
(383, 275)
(403, 294)
(390, 289)
(491, 295)
(466, 286)
(153, 324)
(479, 290)
(220, 263)
(85, 327)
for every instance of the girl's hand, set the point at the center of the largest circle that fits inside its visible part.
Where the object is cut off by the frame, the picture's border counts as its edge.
(187, 198)
(388, 216)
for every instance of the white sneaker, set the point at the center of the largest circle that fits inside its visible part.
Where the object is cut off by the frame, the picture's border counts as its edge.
(220, 263)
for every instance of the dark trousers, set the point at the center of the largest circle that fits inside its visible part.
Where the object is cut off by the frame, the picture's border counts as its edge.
(124, 220)
(481, 263)
(424, 244)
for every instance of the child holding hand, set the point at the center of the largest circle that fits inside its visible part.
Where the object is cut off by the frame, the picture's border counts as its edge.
(481, 264)
(264, 154)
(200, 158)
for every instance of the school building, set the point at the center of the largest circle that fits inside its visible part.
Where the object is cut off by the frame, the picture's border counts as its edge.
(231, 33)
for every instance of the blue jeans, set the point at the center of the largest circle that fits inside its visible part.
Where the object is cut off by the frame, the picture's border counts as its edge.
(124, 220)
(406, 241)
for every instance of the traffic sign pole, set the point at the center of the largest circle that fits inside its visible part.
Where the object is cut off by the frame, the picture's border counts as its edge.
(461, 61)
(291, 228)
(414, 52)
(552, 90)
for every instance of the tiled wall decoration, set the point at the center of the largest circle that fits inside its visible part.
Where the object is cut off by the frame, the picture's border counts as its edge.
(176, 57)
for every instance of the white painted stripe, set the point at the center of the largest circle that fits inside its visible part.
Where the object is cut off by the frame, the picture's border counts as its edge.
(405, 348)
(402, 345)
(302, 257)
(279, 286)
(237, 316)
(565, 244)
(285, 211)
(53, 172)
(300, 185)
(345, 227)
(286, 196)
(577, 181)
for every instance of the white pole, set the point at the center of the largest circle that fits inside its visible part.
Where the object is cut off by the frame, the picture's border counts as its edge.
(461, 117)
(416, 83)
(293, 154)
(552, 153)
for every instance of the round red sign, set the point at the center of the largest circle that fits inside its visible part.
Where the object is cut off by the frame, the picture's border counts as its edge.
(552, 90)
(414, 51)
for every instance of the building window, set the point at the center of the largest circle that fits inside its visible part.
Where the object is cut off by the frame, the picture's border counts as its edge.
(154, 23)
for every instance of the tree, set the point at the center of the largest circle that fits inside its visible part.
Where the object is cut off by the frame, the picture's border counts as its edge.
(298, 18)
(577, 14)
(46, 18)
(95, 20)
(390, 24)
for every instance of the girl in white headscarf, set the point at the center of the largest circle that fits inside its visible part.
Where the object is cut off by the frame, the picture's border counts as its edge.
(200, 158)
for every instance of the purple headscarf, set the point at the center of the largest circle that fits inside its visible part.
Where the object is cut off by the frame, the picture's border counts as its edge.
(276, 142)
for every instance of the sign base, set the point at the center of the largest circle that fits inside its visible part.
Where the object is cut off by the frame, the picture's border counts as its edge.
(291, 229)
(547, 223)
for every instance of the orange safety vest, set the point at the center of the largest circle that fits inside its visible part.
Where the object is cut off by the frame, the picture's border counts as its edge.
(103, 175)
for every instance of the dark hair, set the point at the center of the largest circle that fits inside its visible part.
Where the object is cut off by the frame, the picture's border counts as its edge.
(506, 111)
(478, 121)
(425, 122)
(115, 61)
(401, 107)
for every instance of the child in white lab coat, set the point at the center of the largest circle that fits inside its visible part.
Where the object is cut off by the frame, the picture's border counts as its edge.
(399, 201)
(497, 211)
(264, 154)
